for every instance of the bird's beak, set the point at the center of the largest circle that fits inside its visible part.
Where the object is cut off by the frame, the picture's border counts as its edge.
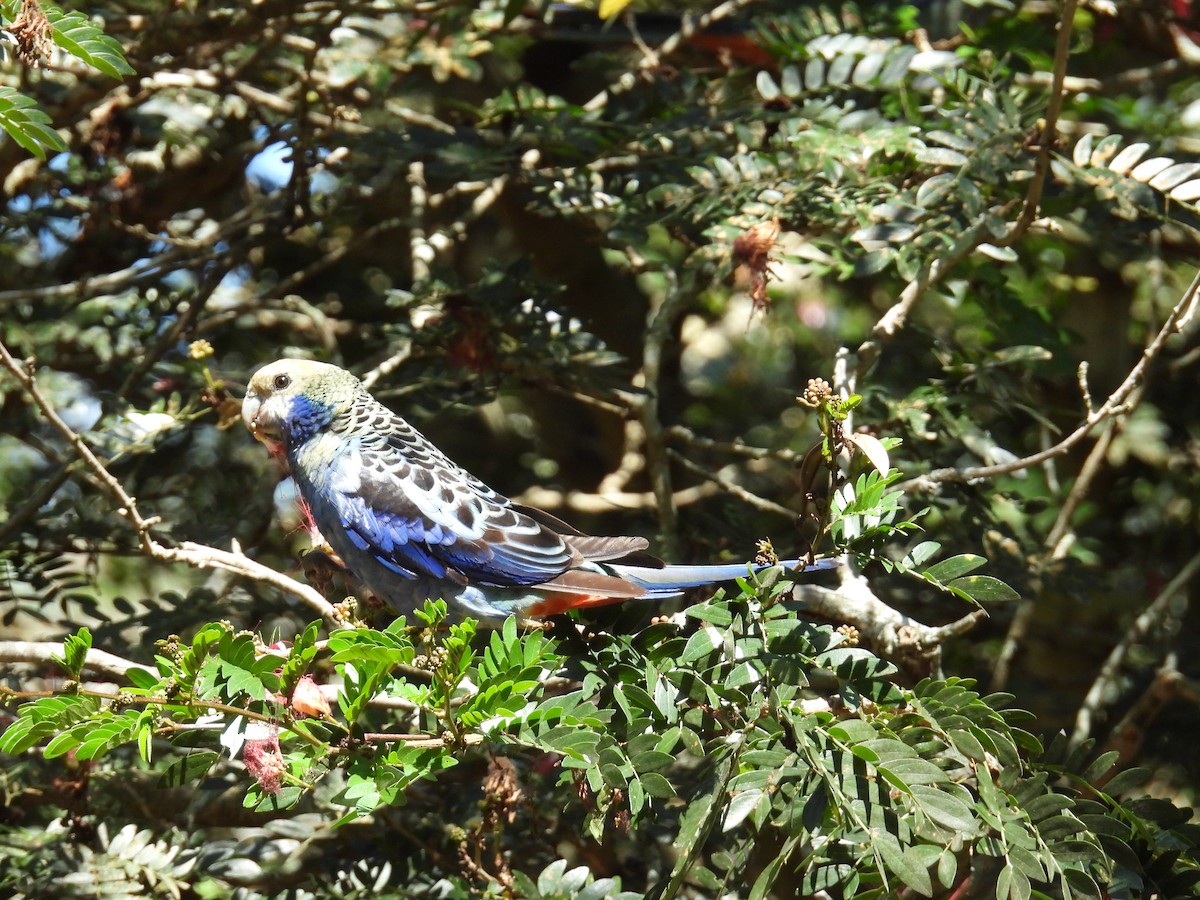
(250, 409)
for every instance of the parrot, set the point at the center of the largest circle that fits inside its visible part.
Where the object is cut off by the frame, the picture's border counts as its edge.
(411, 525)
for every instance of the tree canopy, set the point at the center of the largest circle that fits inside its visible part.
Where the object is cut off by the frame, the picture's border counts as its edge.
(913, 286)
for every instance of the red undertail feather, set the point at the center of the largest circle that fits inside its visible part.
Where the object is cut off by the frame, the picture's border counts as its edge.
(557, 603)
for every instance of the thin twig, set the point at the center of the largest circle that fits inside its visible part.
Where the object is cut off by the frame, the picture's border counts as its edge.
(658, 330)
(183, 322)
(1058, 540)
(1131, 79)
(1117, 404)
(689, 25)
(279, 104)
(326, 261)
(1017, 629)
(633, 459)
(420, 253)
(624, 410)
(747, 497)
(109, 664)
(388, 366)
(212, 705)
(1169, 684)
(1151, 617)
(602, 502)
(892, 321)
(142, 272)
(41, 495)
(1041, 165)
(734, 447)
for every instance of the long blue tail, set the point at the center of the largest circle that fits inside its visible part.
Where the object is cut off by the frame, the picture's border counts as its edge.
(674, 579)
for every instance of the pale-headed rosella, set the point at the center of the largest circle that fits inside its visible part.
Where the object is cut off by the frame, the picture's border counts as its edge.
(411, 525)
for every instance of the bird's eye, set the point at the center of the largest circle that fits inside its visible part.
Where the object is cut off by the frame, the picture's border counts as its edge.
(281, 381)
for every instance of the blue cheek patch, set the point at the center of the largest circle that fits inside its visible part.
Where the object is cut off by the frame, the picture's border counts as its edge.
(305, 418)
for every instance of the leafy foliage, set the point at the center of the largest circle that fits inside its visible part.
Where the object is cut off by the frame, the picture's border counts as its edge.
(625, 252)
(26, 125)
(76, 35)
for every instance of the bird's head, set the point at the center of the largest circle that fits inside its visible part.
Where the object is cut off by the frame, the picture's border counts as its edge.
(289, 400)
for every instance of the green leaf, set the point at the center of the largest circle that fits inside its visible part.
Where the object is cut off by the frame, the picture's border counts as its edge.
(917, 771)
(1101, 764)
(954, 567)
(88, 43)
(984, 589)
(651, 760)
(852, 731)
(945, 809)
(872, 448)
(192, 766)
(657, 786)
(1047, 805)
(1013, 884)
(26, 125)
(741, 806)
(1082, 885)
(714, 612)
(967, 744)
(300, 655)
(701, 644)
(62, 743)
(237, 670)
(1123, 782)
(906, 865)
(142, 679)
(947, 868)
(921, 552)
(75, 651)
(695, 825)
(865, 753)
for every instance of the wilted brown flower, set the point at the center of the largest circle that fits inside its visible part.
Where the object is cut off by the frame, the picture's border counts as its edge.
(752, 249)
(502, 793)
(33, 33)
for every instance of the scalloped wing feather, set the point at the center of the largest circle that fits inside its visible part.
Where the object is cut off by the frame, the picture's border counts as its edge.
(414, 509)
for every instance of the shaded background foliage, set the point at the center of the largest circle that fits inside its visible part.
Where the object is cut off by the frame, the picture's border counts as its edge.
(538, 239)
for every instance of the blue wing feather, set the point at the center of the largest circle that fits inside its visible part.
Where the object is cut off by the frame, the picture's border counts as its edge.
(418, 514)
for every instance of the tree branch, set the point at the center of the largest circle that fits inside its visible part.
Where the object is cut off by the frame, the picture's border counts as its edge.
(1041, 166)
(729, 487)
(143, 272)
(890, 323)
(1151, 617)
(607, 501)
(689, 25)
(42, 653)
(891, 634)
(1115, 405)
